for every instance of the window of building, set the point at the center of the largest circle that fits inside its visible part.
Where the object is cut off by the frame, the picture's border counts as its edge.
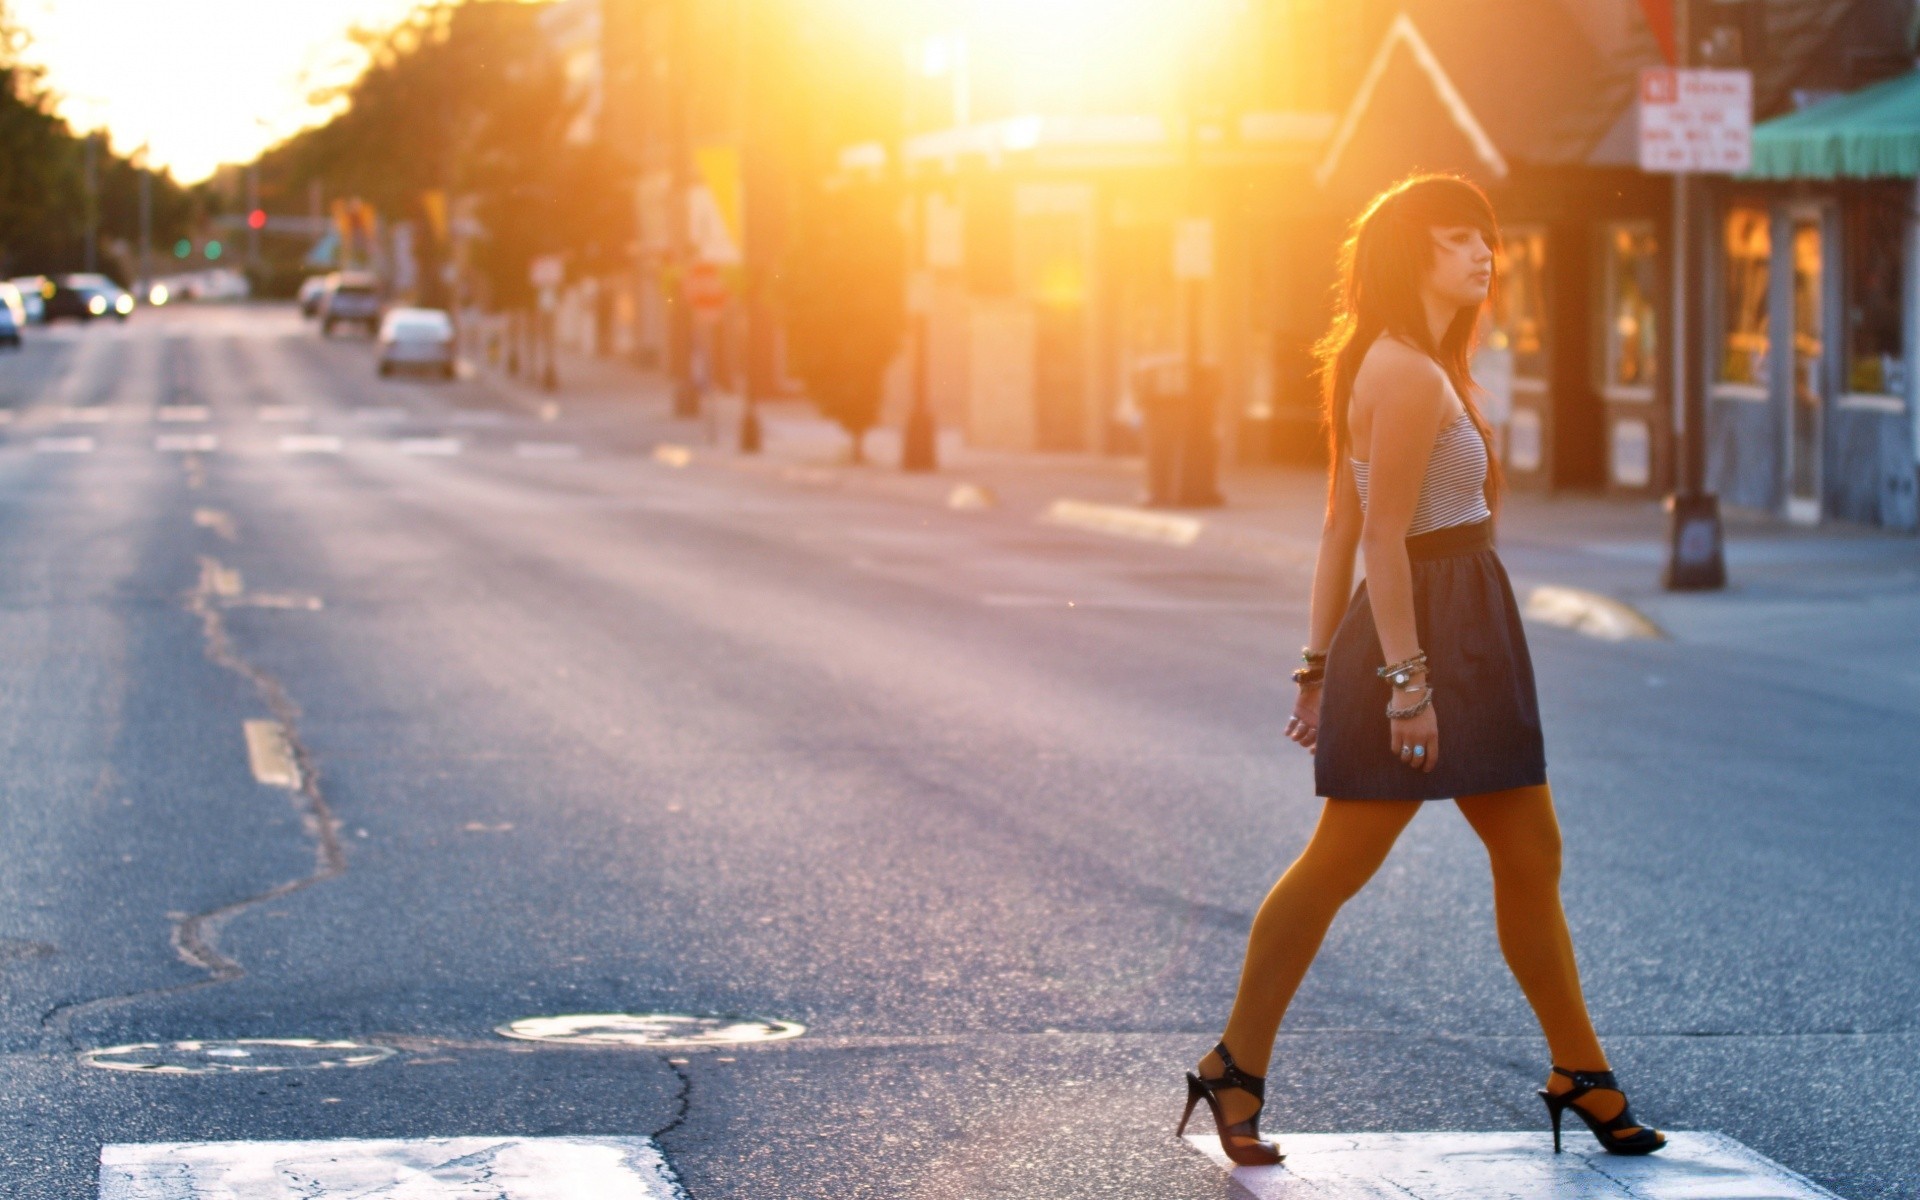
(1747, 258)
(1874, 250)
(1632, 331)
(1520, 305)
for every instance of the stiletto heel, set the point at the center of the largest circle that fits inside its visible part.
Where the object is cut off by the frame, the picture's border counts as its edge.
(1240, 1141)
(1644, 1140)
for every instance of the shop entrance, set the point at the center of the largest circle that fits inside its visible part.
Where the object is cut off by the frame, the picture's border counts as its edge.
(1807, 402)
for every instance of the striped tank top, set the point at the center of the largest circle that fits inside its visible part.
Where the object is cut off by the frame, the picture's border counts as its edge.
(1453, 492)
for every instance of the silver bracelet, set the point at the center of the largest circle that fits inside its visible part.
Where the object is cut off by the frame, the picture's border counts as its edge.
(1412, 710)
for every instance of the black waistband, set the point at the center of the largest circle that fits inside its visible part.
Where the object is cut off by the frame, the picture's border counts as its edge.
(1451, 540)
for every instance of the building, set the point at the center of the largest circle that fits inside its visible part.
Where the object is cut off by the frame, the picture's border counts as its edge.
(1047, 241)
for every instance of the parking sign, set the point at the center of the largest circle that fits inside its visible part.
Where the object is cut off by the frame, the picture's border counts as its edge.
(1696, 120)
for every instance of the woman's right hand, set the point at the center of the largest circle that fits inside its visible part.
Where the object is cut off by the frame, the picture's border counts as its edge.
(1422, 732)
(1304, 725)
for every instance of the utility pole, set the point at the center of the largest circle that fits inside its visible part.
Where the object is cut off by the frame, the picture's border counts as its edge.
(145, 283)
(253, 206)
(749, 275)
(91, 155)
(1197, 485)
(919, 450)
(1696, 557)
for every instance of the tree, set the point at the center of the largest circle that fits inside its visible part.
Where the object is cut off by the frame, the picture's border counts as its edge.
(845, 299)
(43, 192)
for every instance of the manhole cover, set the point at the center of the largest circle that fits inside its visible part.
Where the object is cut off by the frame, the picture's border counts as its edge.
(650, 1029)
(244, 1054)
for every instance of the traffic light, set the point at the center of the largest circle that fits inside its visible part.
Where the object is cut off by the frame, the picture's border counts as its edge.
(183, 248)
(213, 251)
(257, 219)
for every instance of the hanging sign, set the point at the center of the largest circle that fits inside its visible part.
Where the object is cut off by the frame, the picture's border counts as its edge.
(1696, 120)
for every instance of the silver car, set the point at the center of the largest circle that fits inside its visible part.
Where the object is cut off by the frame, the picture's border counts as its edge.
(418, 339)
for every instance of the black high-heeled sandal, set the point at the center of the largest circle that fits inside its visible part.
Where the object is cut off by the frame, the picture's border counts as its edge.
(1644, 1140)
(1240, 1141)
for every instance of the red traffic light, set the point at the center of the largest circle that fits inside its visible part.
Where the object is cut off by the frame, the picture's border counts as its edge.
(257, 219)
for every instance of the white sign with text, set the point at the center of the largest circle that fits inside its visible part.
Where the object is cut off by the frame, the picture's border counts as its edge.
(1696, 120)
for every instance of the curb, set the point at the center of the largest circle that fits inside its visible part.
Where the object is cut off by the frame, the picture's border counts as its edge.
(1591, 613)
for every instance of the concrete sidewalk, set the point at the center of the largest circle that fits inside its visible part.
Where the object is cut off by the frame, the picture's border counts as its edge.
(1831, 597)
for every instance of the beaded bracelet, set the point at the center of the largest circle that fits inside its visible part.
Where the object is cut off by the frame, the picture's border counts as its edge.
(1310, 656)
(1306, 675)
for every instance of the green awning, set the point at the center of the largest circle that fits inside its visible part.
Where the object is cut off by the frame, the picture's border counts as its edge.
(1873, 133)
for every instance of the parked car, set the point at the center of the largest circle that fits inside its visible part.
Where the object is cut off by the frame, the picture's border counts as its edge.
(351, 298)
(12, 316)
(416, 339)
(313, 289)
(33, 296)
(15, 313)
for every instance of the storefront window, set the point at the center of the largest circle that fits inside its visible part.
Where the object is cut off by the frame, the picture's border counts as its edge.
(1520, 306)
(1875, 363)
(1743, 299)
(1632, 284)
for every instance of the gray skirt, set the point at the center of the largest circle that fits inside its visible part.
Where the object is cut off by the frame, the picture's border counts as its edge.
(1483, 695)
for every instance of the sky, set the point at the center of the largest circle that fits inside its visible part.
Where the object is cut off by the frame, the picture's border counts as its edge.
(201, 82)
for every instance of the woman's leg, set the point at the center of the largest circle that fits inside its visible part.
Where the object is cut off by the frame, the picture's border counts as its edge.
(1349, 843)
(1522, 837)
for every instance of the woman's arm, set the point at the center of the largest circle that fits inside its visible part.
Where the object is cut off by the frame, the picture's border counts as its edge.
(1332, 588)
(1409, 398)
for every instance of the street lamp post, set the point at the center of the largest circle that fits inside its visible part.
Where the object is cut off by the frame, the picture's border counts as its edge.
(1695, 540)
(1197, 481)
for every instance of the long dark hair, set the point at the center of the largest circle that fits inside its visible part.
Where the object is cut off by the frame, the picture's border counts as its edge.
(1388, 251)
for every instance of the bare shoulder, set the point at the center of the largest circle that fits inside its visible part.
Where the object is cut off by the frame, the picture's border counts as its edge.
(1401, 381)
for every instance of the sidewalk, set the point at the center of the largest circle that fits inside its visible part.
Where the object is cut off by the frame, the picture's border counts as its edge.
(1835, 593)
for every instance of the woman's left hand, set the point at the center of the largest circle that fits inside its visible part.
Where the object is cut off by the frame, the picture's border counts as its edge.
(1304, 725)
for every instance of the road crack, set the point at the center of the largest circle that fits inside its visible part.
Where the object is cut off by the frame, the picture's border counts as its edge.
(195, 936)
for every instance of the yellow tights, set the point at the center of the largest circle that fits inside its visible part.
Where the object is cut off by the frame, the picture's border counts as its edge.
(1350, 842)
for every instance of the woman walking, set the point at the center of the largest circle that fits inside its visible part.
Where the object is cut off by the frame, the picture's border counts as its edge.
(1420, 687)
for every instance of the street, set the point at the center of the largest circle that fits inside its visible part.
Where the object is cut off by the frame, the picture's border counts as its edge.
(985, 804)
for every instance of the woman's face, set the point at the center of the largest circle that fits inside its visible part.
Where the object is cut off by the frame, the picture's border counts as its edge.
(1462, 268)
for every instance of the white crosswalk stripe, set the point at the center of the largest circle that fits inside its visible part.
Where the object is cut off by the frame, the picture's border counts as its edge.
(187, 443)
(498, 1168)
(1473, 1166)
(63, 445)
(311, 443)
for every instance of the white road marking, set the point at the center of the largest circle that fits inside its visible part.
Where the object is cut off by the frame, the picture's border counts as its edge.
(429, 447)
(1472, 1166)
(971, 497)
(219, 522)
(283, 414)
(85, 416)
(498, 1168)
(63, 445)
(668, 454)
(310, 443)
(291, 601)
(187, 443)
(1590, 613)
(224, 582)
(1170, 604)
(650, 1029)
(1120, 521)
(270, 754)
(228, 1057)
(552, 450)
(183, 413)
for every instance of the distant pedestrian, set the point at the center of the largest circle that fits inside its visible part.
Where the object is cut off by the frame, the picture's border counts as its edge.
(1430, 642)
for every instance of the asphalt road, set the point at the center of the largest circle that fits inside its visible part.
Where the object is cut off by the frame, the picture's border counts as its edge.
(985, 804)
